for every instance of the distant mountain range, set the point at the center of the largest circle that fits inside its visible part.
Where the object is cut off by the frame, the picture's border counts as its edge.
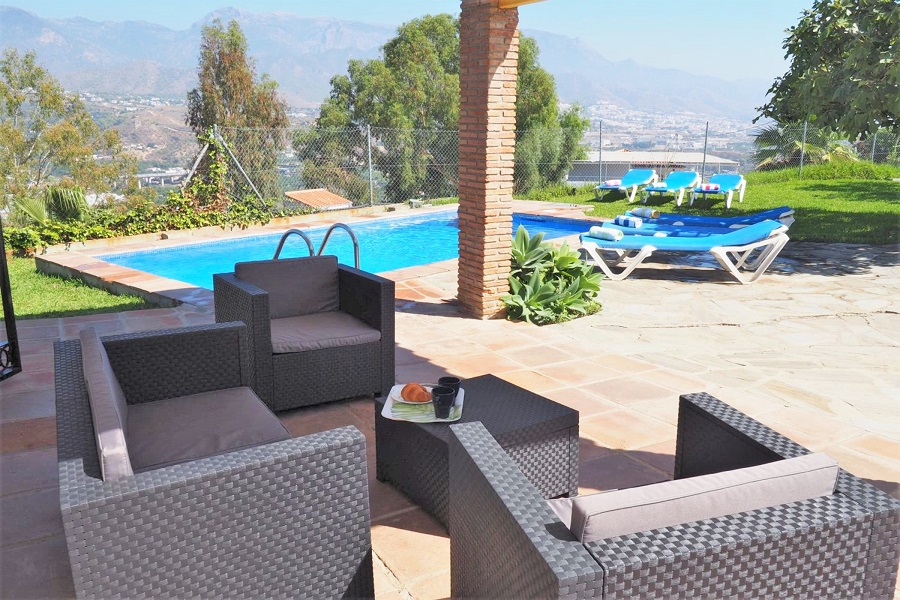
(302, 54)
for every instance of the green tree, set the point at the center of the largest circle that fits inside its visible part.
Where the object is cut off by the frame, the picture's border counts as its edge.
(547, 141)
(778, 146)
(48, 137)
(410, 99)
(845, 69)
(248, 111)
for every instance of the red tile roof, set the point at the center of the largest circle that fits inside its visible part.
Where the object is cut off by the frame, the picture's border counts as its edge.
(319, 198)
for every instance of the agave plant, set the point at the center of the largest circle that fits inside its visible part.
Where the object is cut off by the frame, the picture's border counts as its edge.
(548, 284)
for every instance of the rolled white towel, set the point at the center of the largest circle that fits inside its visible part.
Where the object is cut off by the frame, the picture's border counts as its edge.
(710, 187)
(612, 182)
(606, 233)
(623, 221)
(645, 212)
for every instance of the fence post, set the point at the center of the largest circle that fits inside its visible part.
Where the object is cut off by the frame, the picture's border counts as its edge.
(369, 151)
(803, 146)
(874, 141)
(705, 141)
(600, 154)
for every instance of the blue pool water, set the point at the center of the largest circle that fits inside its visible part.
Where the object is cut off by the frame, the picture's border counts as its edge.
(385, 245)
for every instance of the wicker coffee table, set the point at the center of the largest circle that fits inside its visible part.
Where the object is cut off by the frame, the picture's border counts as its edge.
(540, 435)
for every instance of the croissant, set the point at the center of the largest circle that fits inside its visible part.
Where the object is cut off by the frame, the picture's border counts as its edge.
(415, 392)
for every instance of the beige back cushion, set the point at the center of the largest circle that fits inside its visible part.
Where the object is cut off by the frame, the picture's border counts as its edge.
(600, 516)
(108, 407)
(296, 286)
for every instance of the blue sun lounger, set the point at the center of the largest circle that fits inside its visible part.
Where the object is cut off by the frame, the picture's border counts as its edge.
(675, 183)
(722, 183)
(629, 184)
(745, 253)
(784, 214)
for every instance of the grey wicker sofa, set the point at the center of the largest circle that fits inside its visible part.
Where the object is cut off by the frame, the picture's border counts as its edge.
(357, 361)
(507, 543)
(283, 519)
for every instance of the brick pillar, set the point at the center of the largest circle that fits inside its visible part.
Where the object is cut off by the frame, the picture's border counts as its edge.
(489, 56)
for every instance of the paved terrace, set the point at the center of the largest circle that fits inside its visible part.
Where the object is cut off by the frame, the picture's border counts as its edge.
(810, 349)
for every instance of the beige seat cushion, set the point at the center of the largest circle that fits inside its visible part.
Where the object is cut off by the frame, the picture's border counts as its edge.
(296, 286)
(177, 430)
(319, 331)
(609, 514)
(109, 411)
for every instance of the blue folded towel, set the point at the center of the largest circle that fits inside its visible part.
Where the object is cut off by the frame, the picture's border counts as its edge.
(623, 221)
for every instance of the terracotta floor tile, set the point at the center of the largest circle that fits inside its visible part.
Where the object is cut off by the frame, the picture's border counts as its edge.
(589, 449)
(665, 409)
(29, 434)
(29, 470)
(421, 372)
(479, 364)
(27, 382)
(433, 588)
(30, 516)
(660, 456)
(26, 405)
(581, 400)
(616, 471)
(875, 445)
(315, 419)
(577, 372)
(537, 356)
(629, 390)
(34, 363)
(38, 570)
(413, 546)
(625, 429)
(530, 380)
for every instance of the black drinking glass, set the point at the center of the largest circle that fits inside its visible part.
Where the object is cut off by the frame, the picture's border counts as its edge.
(451, 382)
(442, 398)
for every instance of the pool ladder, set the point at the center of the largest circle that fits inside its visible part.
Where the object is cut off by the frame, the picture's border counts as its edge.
(328, 233)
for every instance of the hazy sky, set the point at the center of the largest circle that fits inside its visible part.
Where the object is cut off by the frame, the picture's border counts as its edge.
(732, 39)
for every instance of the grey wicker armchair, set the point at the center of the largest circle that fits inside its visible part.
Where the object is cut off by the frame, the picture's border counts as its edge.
(319, 331)
(283, 519)
(506, 542)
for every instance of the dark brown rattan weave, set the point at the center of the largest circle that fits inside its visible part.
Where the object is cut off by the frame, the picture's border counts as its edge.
(540, 435)
(507, 543)
(288, 519)
(285, 381)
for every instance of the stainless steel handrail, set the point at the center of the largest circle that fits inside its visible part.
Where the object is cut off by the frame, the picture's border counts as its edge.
(352, 237)
(287, 234)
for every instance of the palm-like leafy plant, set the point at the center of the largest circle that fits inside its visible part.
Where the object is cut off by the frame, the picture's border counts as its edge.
(57, 203)
(780, 145)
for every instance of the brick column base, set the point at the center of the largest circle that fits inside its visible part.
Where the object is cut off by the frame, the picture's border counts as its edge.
(489, 55)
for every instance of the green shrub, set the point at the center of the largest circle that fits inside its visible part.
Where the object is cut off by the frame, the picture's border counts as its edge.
(549, 284)
(837, 169)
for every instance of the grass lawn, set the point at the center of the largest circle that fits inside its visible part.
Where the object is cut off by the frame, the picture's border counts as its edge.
(826, 210)
(37, 296)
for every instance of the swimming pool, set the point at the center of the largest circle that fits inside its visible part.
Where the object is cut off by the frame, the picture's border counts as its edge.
(384, 245)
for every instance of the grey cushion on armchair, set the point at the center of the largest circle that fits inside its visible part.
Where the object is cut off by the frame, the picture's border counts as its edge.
(319, 331)
(508, 543)
(288, 518)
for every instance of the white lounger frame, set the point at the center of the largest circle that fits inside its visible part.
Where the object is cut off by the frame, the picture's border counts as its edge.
(745, 263)
(740, 189)
(632, 195)
(679, 197)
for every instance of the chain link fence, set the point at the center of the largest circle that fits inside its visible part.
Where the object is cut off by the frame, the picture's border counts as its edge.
(377, 165)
